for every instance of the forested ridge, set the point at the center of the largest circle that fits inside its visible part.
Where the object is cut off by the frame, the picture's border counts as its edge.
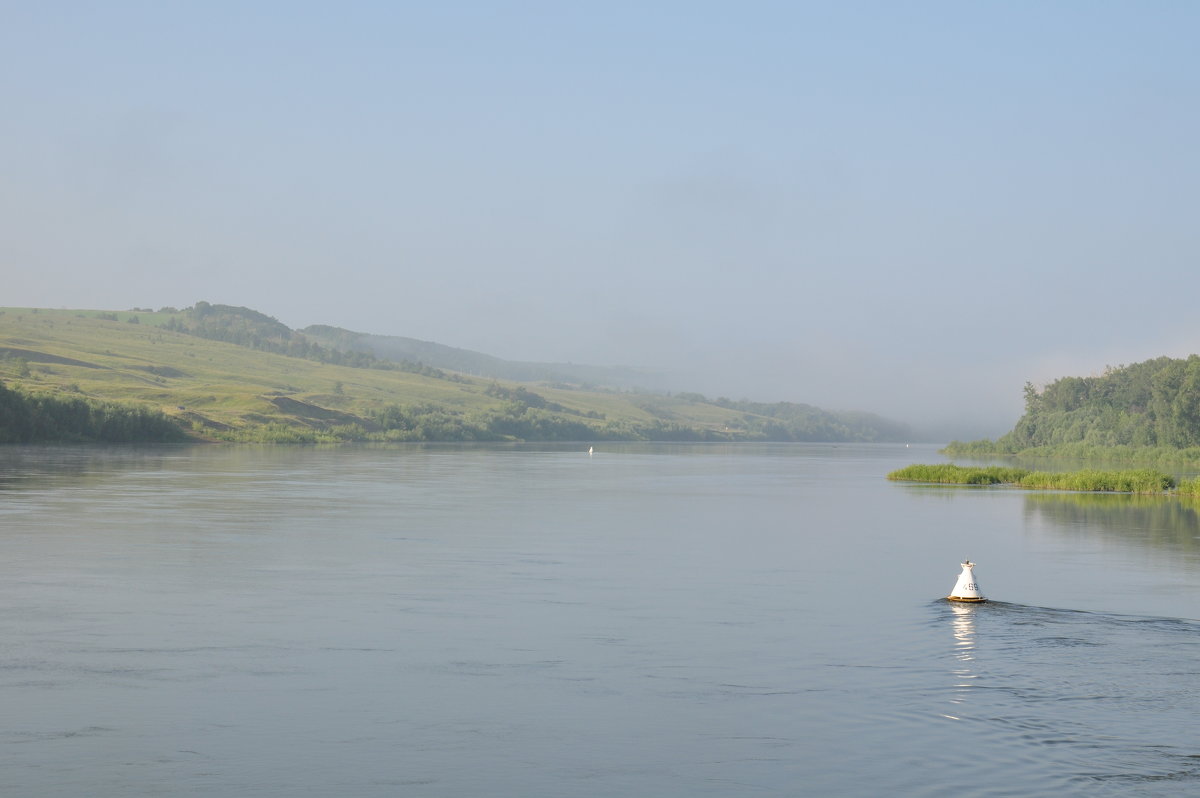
(1150, 405)
(247, 327)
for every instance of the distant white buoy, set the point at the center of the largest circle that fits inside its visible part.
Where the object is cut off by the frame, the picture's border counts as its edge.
(966, 589)
(590, 449)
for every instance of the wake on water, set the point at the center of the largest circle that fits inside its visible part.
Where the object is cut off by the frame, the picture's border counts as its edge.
(1099, 703)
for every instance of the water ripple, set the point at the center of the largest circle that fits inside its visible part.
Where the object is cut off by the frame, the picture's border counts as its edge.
(1044, 703)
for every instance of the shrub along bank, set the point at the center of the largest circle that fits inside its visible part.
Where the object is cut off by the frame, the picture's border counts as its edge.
(1142, 480)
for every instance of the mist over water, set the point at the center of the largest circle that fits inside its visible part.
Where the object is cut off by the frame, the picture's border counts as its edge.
(653, 619)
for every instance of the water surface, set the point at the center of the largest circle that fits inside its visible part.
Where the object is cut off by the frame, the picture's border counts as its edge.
(531, 621)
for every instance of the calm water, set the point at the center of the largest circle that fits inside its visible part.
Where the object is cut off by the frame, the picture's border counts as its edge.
(649, 621)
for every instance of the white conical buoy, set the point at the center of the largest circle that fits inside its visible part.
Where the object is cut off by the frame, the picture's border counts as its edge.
(966, 589)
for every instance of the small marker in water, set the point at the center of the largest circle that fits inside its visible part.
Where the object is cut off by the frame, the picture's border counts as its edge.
(966, 589)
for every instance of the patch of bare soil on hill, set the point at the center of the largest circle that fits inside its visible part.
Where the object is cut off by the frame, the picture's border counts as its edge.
(315, 413)
(33, 356)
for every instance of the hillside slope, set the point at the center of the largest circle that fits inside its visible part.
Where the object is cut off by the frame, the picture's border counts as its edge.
(392, 347)
(231, 373)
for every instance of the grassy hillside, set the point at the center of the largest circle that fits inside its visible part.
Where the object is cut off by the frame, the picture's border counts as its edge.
(225, 390)
(397, 348)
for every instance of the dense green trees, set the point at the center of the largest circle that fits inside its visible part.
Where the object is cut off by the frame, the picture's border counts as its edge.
(42, 418)
(1151, 404)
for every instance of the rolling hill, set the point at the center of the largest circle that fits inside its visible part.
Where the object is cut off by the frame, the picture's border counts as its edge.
(391, 347)
(227, 373)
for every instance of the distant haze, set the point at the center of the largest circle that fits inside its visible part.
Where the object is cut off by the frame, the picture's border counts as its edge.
(905, 208)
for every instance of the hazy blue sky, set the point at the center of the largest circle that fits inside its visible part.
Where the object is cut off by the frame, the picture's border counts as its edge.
(910, 208)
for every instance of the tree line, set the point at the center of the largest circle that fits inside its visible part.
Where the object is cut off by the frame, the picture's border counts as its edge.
(255, 330)
(792, 421)
(44, 418)
(1150, 405)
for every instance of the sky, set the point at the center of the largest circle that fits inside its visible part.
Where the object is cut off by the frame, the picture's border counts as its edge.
(906, 208)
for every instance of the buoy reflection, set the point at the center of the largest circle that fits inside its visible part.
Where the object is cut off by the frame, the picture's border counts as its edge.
(962, 624)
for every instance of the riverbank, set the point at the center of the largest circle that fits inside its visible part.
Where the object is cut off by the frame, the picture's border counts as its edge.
(1142, 480)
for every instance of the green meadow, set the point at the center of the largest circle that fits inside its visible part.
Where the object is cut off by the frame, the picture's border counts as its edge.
(236, 390)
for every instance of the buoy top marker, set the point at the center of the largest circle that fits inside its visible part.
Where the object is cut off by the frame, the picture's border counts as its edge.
(966, 589)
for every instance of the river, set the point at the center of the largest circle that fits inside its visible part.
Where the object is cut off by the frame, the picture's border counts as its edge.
(657, 620)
